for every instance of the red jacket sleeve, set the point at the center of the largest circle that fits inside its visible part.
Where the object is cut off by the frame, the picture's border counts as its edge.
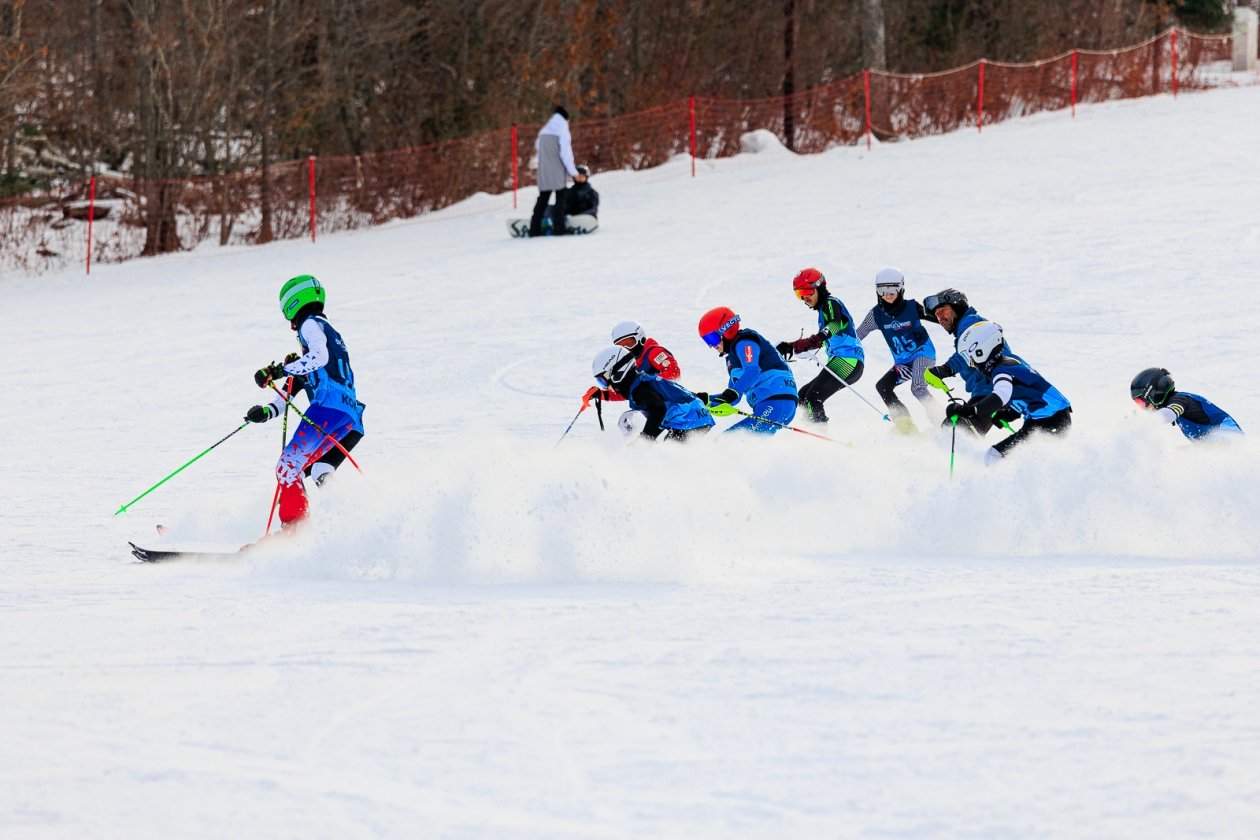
(663, 362)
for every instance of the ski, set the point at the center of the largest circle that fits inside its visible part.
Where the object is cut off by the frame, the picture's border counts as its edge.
(151, 555)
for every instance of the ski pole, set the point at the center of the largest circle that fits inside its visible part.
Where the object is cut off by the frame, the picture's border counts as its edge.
(570, 426)
(190, 462)
(953, 436)
(725, 409)
(844, 386)
(299, 413)
(284, 439)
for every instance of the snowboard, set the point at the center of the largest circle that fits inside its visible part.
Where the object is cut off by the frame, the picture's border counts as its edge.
(519, 228)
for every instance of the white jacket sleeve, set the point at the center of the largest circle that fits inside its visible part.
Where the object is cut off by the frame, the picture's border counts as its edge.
(317, 350)
(566, 151)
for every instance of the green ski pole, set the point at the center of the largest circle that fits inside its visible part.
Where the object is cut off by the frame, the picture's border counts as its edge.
(123, 509)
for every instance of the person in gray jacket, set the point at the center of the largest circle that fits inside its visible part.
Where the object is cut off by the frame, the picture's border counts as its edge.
(555, 166)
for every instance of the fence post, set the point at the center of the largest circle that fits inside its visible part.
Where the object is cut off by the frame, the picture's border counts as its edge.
(91, 213)
(310, 165)
(1073, 84)
(515, 181)
(866, 93)
(1174, 62)
(980, 100)
(691, 110)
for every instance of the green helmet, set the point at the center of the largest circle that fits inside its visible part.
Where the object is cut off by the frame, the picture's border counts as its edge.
(298, 292)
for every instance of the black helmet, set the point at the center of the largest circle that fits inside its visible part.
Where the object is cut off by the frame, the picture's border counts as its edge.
(583, 169)
(948, 297)
(1152, 387)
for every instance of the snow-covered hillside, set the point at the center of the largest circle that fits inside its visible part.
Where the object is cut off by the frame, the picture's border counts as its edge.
(489, 635)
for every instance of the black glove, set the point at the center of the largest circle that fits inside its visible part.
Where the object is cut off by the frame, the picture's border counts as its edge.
(962, 411)
(291, 358)
(703, 397)
(730, 396)
(785, 349)
(1007, 414)
(266, 375)
(260, 414)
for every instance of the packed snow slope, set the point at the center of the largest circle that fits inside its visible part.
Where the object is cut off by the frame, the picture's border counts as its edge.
(489, 635)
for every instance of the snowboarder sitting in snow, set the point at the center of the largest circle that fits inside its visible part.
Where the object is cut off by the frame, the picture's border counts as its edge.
(649, 357)
(1198, 419)
(334, 416)
(581, 199)
(1012, 383)
(835, 330)
(950, 309)
(756, 371)
(900, 321)
(656, 405)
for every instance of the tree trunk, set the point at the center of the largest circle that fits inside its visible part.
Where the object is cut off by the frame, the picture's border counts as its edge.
(874, 35)
(789, 73)
(157, 144)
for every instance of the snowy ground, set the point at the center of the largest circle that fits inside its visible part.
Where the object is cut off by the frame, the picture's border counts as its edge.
(493, 636)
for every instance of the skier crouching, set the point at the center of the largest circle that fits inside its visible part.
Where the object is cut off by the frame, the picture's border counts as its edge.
(664, 406)
(334, 416)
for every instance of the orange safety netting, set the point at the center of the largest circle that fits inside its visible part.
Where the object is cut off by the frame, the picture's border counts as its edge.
(483, 171)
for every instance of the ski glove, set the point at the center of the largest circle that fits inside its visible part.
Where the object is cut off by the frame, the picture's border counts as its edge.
(785, 348)
(809, 342)
(933, 379)
(960, 410)
(260, 413)
(266, 375)
(727, 396)
(592, 394)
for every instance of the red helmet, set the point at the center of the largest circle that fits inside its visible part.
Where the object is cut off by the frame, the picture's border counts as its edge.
(717, 324)
(808, 281)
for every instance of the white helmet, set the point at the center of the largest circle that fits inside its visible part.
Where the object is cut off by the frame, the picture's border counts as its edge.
(610, 366)
(980, 342)
(628, 329)
(889, 279)
(632, 422)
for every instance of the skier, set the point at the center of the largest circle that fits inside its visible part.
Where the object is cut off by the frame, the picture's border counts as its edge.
(660, 405)
(1198, 419)
(835, 329)
(323, 371)
(901, 323)
(649, 357)
(756, 372)
(1011, 383)
(950, 309)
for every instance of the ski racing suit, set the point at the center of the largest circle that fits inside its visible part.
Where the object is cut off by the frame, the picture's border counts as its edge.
(334, 414)
(669, 407)
(1011, 382)
(758, 373)
(1197, 418)
(912, 350)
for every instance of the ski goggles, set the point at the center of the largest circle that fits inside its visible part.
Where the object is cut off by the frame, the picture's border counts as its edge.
(713, 339)
(602, 381)
(887, 290)
(806, 292)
